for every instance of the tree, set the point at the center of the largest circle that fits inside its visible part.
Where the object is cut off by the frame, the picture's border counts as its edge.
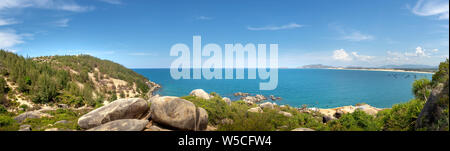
(421, 89)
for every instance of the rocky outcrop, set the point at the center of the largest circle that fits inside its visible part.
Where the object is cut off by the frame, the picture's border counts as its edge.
(200, 93)
(30, 115)
(178, 113)
(432, 117)
(122, 125)
(254, 99)
(241, 94)
(119, 109)
(255, 110)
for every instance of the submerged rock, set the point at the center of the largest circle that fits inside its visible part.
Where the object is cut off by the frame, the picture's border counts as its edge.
(122, 125)
(119, 109)
(178, 113)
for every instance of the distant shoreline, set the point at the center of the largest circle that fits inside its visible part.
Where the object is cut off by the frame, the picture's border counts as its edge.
(385, 70)
(365, 69)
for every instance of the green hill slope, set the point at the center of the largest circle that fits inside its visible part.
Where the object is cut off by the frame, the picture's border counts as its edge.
(73, 80)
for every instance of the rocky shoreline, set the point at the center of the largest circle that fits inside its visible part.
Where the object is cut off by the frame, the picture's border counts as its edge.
(169, 113)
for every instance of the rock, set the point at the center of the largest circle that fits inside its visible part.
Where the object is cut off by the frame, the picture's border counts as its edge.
(200, 93)
(25, 128)
(272, 97)
(30, 115)
(241, 94)
(211, 128)
(178, 113)
(226, 121)
(61, 122)
(260, 97)
(326, 119)
(227, 100)
(119, 109)
(255, 110)
(122, 125)
(432, 117)
(302, 129)
(287, 114)
(267, 105)
(367, 109)
(156, 128)
(338, 114)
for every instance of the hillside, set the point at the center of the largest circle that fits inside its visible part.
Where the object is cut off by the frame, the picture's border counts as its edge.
(75, 81)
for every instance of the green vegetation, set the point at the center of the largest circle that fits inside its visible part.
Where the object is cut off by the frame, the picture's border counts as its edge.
(422, 89)
(269, 120)
(356, 121)
(63, 79)
(402, 117)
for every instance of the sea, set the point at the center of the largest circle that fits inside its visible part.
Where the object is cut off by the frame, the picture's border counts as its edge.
(322, 88)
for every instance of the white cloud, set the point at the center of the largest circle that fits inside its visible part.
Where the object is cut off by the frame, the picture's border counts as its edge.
(65, 5)
(9, 38)
(420, 52)
(288, 26)
(362, 57)
(116, 2)
(357, 36)
(438, 8)
(341, 55)
(8, 21)
(62, 22)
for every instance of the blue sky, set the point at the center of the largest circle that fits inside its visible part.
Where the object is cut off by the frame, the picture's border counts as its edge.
(139, 33)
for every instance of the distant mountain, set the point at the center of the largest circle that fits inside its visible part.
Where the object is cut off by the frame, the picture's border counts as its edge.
(408, 66)
(315, 66)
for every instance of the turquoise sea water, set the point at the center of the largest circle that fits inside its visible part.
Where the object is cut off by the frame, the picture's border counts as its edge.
(321, 88)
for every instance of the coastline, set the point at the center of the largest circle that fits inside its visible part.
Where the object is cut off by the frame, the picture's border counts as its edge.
(383, 70)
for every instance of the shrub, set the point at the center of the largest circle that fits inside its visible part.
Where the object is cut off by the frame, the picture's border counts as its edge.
(6, 120)
(356, 121)
(402, 117)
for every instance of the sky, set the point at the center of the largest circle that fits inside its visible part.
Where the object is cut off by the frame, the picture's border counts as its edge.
(140, 33)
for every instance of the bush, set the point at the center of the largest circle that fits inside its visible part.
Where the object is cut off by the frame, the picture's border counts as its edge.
(402, 117)
(3, 110)
(356, 121)
(6, 120)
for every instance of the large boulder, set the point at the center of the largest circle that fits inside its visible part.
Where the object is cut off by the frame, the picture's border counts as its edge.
(227, 100)
(287, 114)
(267, 105)
(119, 109)
(200, 93)
(30, 115)
(178, 113)
(122, 125)
(433, 117)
